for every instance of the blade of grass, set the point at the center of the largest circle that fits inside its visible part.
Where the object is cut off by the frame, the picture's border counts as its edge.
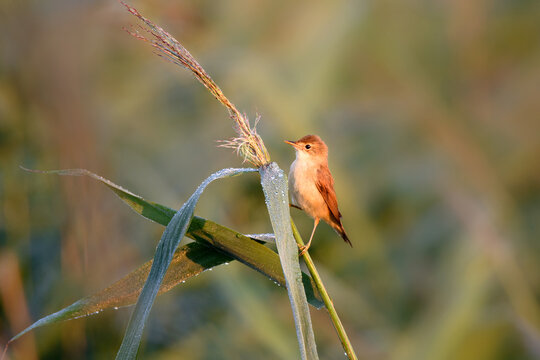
(274, 183)
(174, 232)
(148, 209)
(250, 253)
(227, 241)
(188, 261)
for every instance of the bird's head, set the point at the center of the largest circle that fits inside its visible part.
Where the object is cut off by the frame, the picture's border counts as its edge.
(310, 146)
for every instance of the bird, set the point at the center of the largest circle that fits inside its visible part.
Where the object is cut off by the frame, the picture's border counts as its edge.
(311, 185)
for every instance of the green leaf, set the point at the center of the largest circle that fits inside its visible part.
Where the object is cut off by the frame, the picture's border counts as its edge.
(174, 232)
(188, 261)
(150, 210)
(234, 244)
(274, 183)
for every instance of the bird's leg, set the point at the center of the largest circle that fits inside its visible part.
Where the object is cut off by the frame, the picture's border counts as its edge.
(305, 248)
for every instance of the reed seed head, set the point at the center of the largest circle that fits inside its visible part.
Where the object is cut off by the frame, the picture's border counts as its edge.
(248, 143)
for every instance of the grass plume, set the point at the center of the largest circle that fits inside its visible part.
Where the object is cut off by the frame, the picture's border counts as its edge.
(248, 143)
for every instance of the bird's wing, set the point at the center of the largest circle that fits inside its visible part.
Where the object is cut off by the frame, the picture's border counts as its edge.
(325, 185)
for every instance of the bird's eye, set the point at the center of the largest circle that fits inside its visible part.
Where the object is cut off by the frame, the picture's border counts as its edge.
(308, 146)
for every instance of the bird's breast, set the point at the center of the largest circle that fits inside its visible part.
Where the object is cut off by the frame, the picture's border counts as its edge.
(303, 189)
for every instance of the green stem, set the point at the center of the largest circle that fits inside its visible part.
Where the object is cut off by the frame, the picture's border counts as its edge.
(347, 346)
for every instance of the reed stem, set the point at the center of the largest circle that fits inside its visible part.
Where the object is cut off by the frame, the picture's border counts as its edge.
(345, 342)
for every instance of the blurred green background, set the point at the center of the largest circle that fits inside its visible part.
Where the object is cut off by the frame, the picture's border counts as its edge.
(431, 113)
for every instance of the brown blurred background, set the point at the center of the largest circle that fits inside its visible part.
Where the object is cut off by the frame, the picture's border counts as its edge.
(431, 113)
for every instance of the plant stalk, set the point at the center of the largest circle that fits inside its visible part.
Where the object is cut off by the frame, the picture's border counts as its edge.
(345, 342)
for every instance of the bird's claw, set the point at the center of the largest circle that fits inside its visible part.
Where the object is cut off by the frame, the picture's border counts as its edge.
(303, 249)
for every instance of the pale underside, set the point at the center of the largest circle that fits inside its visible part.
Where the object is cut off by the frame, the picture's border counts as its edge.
(304, 192)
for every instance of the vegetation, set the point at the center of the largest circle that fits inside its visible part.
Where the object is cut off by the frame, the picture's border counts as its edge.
(430, 113)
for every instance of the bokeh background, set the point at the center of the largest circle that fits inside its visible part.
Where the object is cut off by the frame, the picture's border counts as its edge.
(431, 113)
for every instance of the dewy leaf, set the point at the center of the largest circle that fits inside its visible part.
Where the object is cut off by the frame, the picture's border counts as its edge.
(174, 232)
(188, 261)
(274, 183)
(234, 244)
(150, 210)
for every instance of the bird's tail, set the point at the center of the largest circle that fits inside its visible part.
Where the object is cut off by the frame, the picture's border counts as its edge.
(341, 231)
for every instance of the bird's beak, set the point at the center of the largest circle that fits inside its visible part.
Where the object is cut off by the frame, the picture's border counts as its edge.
(293, 143)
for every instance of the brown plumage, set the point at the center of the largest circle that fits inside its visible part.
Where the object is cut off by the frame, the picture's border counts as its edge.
(311, 185)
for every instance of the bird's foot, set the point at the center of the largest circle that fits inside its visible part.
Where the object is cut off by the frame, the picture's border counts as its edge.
(303, 250)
